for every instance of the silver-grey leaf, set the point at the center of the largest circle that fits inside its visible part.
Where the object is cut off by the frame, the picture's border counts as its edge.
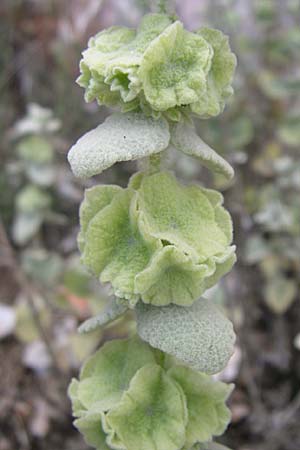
(121, 137)
(113, 311)
(199, 335)
(185, 139)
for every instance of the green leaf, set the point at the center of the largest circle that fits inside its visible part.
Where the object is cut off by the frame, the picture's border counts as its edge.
(208, 415)
(289, 132)
(174, 67)
(32, 199)
(185, 139)
(35, 149)
(122, 137)
(25, 226)
(112, 312)
(151, 414)
(279, 293)
(107, 374)
(199, 335)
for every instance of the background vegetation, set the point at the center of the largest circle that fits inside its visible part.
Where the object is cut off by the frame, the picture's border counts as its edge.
(44, 291)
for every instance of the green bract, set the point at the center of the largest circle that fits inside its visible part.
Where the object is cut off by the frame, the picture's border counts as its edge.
(157, 240)
(159, 68)
(127, 399)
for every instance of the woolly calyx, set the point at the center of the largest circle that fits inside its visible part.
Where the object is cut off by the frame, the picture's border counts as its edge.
(140, 241)
(174, 68)
(199, 390)
(107, 374)
(151, 414)
(160, 68)
(127, 399)
(114, 249)
(220, 76)
(200, 335)
(122, 137)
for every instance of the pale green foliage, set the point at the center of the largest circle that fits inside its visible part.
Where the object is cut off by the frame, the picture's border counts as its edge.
(141, 242)
(200, 335)
(131, 136)
(127, 399)
(113, 311)
(122, 137)
(185, 139)
(32, 199)
(160, 68)
(35, 149)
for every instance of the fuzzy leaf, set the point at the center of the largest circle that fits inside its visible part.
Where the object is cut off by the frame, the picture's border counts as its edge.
(185, 139)
(25, 226)
(174, 67)
(151, 414)
(200, 335)
(122, 137)
(107, 374)
(111, 313)
(208, 415)
(279, 293)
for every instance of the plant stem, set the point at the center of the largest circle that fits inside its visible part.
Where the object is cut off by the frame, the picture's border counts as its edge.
(165, 6)
(154, 163)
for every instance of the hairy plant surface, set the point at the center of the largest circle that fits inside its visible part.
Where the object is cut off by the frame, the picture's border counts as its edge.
(158, 243)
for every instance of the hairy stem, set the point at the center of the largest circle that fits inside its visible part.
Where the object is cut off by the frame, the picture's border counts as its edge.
(165, 6)
(152, 164)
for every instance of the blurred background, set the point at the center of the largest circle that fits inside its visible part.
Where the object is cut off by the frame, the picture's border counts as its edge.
(45, 292)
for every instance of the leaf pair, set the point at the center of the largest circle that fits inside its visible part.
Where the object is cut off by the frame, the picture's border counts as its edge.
(131, 136)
